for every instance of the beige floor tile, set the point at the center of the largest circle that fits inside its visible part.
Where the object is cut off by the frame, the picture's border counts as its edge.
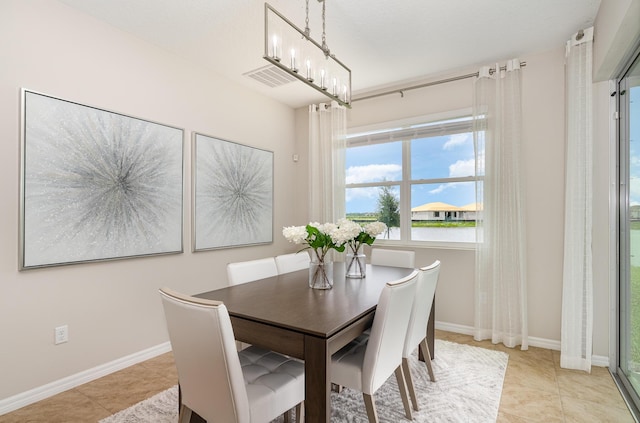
(463, 339)
(556, 358)
(522, 374)
(533, 356)
(126, 387)
(163, 365)
(597, 387)
(510, 418)
(580, 411)
(67, 407)
(532, 404)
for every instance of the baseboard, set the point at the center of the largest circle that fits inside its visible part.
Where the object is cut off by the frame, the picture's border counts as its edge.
(550, 344)
(45, 391)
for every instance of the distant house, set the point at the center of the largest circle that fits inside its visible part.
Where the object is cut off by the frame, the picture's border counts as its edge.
(634, 212)
(470, 211)
(435, 211)
(445, 212)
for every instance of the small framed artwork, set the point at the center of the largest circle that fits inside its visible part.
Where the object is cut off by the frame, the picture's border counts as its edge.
(233, 194)
(96, 185)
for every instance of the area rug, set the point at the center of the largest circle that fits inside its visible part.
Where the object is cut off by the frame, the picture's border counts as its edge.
(467, 389)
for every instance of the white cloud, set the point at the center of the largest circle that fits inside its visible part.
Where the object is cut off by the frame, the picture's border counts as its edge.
(361, 193)
(456, 139)
(462, 168)
(373, 172)
(440, 188)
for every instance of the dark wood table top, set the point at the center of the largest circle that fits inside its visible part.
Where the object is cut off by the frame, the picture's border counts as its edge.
(287, 301)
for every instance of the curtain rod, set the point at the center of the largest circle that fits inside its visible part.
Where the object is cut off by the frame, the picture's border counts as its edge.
(428, 84)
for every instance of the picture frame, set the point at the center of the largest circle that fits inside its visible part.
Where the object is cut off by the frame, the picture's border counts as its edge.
(232, 194)
(96, 184)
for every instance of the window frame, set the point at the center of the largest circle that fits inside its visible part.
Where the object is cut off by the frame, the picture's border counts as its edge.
(375, 133)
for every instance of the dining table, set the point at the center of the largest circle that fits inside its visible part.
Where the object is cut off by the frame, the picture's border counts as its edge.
(282, 313)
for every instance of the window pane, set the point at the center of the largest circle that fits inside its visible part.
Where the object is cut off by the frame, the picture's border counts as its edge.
(375, 203)
(374, 163)
(443, 212)
(446, 156)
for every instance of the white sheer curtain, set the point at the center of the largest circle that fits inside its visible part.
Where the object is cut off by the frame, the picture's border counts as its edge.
(577, 288)
(327, 144)
(500, 296)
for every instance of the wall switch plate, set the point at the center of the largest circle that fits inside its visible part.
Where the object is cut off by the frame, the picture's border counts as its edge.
(61, 334)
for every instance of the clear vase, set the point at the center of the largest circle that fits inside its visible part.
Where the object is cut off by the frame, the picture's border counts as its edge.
(321, 274)
(355, 265)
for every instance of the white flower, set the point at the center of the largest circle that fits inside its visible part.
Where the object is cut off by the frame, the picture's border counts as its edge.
(375, 228)
(295, 234)
(344, 233)
(326, 228)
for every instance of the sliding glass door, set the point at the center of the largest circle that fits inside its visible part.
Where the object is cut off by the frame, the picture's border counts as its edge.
(629, 241)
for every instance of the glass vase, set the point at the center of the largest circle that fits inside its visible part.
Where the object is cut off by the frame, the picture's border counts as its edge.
(355, 265)
(321, 274)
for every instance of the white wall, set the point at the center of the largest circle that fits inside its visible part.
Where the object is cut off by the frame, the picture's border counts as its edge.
(543, 151)
(617, 30)
(112, 308)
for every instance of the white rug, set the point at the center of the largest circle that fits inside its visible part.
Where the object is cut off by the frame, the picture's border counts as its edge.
(468, 389)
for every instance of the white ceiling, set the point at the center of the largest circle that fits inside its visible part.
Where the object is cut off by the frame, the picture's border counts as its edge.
(383, 42)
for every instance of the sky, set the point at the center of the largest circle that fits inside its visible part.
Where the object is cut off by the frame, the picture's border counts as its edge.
(434, 157)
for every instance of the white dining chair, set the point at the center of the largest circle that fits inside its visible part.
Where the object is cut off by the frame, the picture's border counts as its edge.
(219, 383)
(395, 258)
(417, 331)
(251, 270)
(368, 361)
(248, 271)
(287, 263)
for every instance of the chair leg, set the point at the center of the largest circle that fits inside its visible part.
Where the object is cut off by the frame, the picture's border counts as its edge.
(407, 377)
(287, 416)
(402, 386)
(427, 358)
(300, 412)
(370, 405)
(185, 414)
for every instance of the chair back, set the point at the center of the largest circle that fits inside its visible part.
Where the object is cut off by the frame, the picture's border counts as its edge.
(425, 293)
(388, 332)
(209, 371)
(247, 271)
(287, 263)
(395, 258)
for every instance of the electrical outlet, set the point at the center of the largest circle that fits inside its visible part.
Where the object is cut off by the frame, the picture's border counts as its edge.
(61, 334)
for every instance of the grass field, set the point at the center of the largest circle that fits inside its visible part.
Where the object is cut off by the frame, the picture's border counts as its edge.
(369, 217)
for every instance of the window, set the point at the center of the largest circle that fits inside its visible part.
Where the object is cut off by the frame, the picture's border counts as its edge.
(417, 177)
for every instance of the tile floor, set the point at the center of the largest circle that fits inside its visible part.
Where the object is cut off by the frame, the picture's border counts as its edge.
(535, 389)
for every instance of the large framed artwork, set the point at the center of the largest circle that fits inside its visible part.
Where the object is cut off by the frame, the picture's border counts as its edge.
(96, 185)
(233, 200)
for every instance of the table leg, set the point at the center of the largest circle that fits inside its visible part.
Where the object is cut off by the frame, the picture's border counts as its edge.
(317, 366)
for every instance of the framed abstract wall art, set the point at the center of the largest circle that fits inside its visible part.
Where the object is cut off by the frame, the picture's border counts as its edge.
(233, 194)
(96, 185)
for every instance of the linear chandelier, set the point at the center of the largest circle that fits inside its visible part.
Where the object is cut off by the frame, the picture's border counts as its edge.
(295, 52)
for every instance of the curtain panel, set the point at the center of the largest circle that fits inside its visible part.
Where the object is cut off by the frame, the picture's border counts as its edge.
(576, 339)
(327, 148)
(500, 285)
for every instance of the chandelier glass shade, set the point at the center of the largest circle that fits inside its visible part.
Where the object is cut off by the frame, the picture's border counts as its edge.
(295, 52)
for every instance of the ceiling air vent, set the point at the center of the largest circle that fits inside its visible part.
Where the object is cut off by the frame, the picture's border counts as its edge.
(270, 75)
